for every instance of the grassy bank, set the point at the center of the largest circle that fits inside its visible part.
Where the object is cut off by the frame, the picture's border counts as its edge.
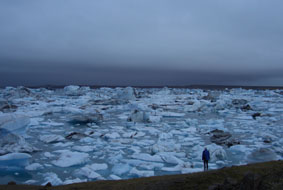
(268, 175)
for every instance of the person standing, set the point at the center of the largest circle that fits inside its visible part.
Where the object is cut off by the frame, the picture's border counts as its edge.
(205, 158)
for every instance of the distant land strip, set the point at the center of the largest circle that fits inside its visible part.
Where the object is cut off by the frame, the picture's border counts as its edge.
(208, 87)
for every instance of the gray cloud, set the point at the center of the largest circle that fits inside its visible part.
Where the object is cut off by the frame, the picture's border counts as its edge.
(221, 39)
(64, 74)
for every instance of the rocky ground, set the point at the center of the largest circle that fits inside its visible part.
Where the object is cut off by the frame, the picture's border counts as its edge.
(260, 176)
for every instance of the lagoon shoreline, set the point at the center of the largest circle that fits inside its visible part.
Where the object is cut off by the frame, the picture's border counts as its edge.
(265, 175)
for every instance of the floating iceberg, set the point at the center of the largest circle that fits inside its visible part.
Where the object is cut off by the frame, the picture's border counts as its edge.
(34, 166)
(14, 160)
(10, 143)
(15, 123)
(51, 138)
(52, 178)
(139, 116)
(69, 158)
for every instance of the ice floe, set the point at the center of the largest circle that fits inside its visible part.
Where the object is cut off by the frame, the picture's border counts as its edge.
(69, 158)
(51, 138)
(11, 143)
(13, 122)
(120, 169)
(52, 178)
(141, 173)
(34, 166)
(14, 160)
(88, 172)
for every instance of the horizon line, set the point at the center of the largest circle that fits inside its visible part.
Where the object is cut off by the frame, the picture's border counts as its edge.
(193, 86)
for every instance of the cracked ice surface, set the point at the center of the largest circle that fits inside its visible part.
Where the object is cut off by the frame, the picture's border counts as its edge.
(80, 134)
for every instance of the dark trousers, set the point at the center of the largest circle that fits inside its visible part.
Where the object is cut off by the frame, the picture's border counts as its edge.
(205, 165)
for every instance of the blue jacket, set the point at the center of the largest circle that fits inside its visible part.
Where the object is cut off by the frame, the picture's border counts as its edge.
(205, 155)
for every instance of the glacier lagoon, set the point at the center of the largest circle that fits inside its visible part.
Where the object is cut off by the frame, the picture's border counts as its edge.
(78, 134)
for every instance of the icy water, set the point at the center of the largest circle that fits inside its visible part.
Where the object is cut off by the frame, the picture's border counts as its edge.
(79, 134)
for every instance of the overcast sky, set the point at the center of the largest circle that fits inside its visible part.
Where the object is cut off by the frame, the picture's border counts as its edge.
(141, 42)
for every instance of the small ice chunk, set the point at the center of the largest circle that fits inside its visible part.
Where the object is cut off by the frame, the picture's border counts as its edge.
(13, 122)
(220, 163)
(165, 146)
(60, 144)
(144, 142)
(127, 93)
(114, 177)
(88, 172)
(139, 116)
(236, 149)
(51, 138)
(190, 130)
(176, 168)
(83, 148)
(96, 167)
(68, 158)
(15, 159)
(34, 166)
(192, 108)
(120, 169)
(71, 181)
(87, 140)
(154, 119)
(144, 164)
(48, 155)
(52, 178)
(35, 121)
(72, 90)
(52, 123)
(191, 170)
(10, 142)
(170, 159)
(113, 135)
(219, 154)
(172, 114)
(216, 152)
(133, 134)
(31, 181)
(147, 157)
(165, 136)
(141, 173)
